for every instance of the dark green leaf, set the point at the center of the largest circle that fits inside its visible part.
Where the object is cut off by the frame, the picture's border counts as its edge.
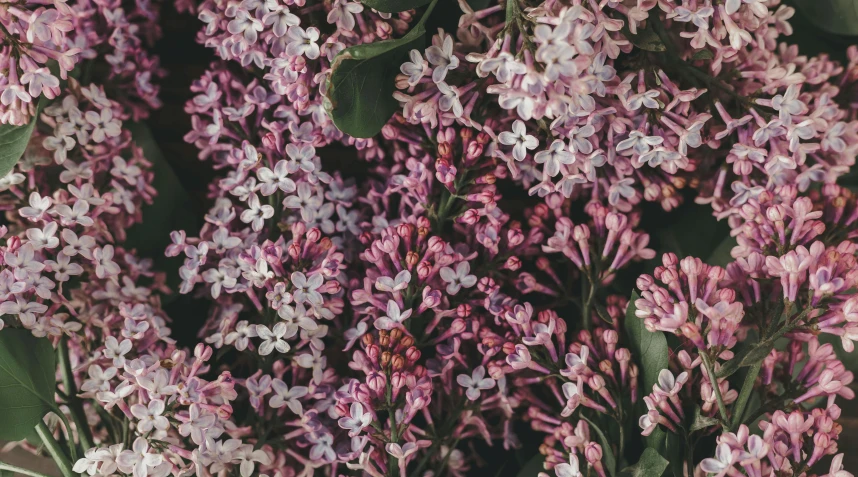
(746, 358)
(645, 39)
(394, 6)
(721, 255)
(360, 98)
(533, 467)
(172, 209)
(674, 448)
(13, 143)
(700, 421)
(703, 55)
(607, 452)
(693, 233)
(834, 16)
(650, 349)
(651, 464)
(27, 382)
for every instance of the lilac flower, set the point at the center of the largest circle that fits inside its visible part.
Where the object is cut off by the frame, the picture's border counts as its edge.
(475, 383)
(459, 278)
(519, 139)
(440, 54)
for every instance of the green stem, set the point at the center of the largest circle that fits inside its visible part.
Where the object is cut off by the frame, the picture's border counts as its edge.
(722, 408)
(427, 13)
(689, 455)
(745, 393)
(84, 433)
(54, 449)
(21, 470)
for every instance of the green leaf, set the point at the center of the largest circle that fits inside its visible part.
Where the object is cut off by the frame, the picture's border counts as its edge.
(359, 97)
(833, 16)
(13, 143)
(533, 467)
(693, 233)
(703, 55)
(607, 452)
(746, 358)
(650, 348)
(721, 255)
(27, 382)
(171, 210)
(650, 464)
(700, 421)
(394, 6)
(645, 39)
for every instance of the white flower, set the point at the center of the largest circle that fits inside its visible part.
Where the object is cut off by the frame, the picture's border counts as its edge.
(256, 214)
(116, 351)
(568, 470)
(284, 396)
(450, 99)
(394, 317)
(314, 361)
(99, 379)
(274, 338)
(271, 180)
(357, 420)
(198, 422)
(554, 157)
(387, 284)
(475, 383)
(104, 264)
(342, 14)
(245, 23)
(303, 42)
(441, 55)
(458, 279)
(45, 237)
(150, 416)
(248, 459)
(722, 461)
(305, 288)
(240, 338)
(414, 68)
(138, 460)
(519, 140)
(788, 104)
(638, 143)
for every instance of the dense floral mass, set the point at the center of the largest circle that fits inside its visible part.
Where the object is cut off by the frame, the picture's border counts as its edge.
(488, 277)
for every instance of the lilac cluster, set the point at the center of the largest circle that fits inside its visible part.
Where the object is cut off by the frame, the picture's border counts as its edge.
(464, 289)
(42, 43)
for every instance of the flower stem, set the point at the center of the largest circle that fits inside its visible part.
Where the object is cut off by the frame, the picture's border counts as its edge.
(54, 449)
(745, 393)
(21, 470)
(722, 408)
(75, 405)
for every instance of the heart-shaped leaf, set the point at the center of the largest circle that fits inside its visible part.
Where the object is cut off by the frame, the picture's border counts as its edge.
(13, 143)
(651, 464)
(360, 91)
(27, 382)
(359, 97)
